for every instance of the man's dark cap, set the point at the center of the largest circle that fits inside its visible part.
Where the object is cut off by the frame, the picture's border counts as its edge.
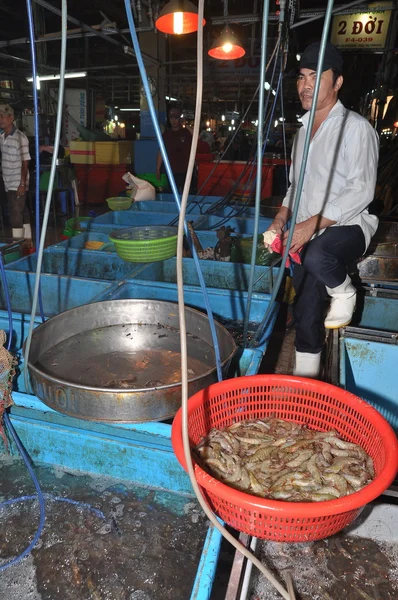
(333, 59)
(175, 111)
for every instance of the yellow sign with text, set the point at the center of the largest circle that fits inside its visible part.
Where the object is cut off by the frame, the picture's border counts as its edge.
(361, 31)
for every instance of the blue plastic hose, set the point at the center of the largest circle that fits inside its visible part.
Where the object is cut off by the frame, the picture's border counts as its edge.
(170, 176)
(40, 497)
(8, 302)
(37, 133)
(50, 186)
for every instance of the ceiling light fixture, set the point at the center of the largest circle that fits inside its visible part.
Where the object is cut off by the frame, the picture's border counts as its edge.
(130, 109)
(227, 46)
(178, 17)
(58, 76)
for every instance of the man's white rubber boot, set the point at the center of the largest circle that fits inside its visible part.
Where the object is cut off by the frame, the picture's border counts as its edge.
(342, 305)
(307, 364)
(27, 235)
(18, 233)
(27, 231)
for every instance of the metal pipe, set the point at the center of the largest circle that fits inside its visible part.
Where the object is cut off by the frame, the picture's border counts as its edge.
(260, 141)
(100, 34)
(150, 15)
(23, 60)
(54, 37)
(139, 11)
(253, 30)
(335, 11)
(134, 8)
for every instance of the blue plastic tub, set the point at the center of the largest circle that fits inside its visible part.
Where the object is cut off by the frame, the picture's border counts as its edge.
(226, 305)
(377, 313)
(194, 208)
(90, 264)
(58, 293)
(369, 356)
(368, 368)
(223, 275)
(108, 221)
(77, 242)
(191, 198)
(162, 207)
(20, 327)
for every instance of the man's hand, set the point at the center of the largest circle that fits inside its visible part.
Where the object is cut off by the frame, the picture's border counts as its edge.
(277, 227)
(21, 191)
(302, 234)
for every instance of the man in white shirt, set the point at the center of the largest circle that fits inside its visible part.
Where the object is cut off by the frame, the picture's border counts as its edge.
(333, 225)
(15, 159)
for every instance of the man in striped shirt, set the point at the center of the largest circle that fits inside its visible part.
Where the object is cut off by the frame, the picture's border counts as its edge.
(15, 159)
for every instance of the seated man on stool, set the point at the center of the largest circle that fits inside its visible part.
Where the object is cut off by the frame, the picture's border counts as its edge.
(15, 159)
(333, 226)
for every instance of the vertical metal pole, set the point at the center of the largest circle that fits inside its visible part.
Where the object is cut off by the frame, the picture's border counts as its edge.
(385, 71)
(260, 141)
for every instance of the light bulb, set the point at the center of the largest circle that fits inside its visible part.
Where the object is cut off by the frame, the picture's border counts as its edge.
(178, 22)
(227, 47)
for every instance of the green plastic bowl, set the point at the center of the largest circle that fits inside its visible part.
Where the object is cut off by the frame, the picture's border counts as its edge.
(119, 203)
(73, 225)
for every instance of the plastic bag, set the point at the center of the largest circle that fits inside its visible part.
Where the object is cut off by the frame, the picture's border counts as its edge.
(140, 188)
(241, 251)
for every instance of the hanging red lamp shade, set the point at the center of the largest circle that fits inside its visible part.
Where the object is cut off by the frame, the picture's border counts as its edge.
(227, 46)
(178, 17)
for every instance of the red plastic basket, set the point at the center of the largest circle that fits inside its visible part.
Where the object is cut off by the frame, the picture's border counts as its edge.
(319, 405)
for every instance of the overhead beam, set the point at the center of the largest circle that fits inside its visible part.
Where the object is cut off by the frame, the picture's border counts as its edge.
(88, 28)
(24, 61)
(71, 34)
(304, 14)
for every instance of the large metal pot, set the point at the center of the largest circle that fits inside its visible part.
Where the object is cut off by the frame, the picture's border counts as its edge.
(92, 362)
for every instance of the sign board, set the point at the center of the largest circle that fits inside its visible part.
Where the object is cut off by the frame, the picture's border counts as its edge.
(361, 31)
(76, 107)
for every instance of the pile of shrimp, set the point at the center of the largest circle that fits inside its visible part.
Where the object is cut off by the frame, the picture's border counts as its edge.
(282, 460)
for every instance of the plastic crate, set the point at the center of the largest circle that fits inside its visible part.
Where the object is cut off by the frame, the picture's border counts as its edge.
(113, 153)
(82, 153)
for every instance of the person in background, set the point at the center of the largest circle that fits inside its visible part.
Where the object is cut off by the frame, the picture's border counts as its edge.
(15, 159)
(207, 137)
(333, 226)
(177, 141)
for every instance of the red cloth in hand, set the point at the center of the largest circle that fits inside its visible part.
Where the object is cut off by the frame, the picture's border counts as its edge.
(277, 246)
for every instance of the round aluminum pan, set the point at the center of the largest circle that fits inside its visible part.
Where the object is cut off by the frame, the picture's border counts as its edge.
(119, 361)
